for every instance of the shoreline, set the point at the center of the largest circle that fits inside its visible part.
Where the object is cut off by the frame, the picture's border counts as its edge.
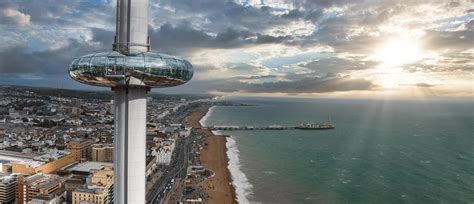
(213, 156)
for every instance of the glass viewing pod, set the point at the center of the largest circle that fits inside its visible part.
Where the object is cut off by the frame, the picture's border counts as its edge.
(111, 68)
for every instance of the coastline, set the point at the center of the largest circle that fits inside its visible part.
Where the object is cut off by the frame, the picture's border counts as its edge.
(214, 156)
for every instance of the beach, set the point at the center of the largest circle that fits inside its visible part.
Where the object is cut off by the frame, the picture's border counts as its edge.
(214, 157)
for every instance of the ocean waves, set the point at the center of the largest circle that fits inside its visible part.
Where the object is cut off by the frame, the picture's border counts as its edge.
(243, 188)
(203, 120)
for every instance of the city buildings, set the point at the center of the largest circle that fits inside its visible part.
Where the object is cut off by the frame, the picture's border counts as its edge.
(103, 153)
(164, 151)
(71, 148)
(32, 186)
(99, 188)
(8, 188)
(47, 163)
(80, 148)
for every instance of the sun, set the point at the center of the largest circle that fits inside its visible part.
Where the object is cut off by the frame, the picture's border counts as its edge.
(391, 56)
(398, 51)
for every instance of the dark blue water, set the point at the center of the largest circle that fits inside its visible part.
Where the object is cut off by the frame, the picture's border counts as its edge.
(380, 151)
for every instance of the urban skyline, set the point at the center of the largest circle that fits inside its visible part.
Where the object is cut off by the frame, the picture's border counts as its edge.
(58, 146)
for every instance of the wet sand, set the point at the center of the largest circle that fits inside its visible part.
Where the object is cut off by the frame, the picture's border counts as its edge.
(214, 157)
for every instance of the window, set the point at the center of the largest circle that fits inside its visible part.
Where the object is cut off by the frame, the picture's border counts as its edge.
(98, 65)
(154, 64)
(84, 63)
(136, 62)
(189, 71)
(180, 66)
(115, 66)
(73, 66)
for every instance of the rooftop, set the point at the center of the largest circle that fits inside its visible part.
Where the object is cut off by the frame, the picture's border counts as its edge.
(88, 166)
(43, 180)
(7, 179)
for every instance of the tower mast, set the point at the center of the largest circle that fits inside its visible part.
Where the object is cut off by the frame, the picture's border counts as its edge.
(131, 69)
(130, 106)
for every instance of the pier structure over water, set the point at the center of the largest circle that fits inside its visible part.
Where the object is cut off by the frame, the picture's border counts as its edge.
(270, 127)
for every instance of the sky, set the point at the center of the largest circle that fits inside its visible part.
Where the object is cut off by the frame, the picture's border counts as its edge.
(293, 48)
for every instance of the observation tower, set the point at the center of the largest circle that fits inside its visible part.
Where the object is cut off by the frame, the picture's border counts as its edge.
(131, 69)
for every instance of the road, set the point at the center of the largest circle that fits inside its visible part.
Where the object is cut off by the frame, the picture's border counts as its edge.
(179, 163)
(177, 169)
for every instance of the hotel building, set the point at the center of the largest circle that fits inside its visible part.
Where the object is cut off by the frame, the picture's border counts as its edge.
(80, 148)
(102, 153)
(8, 186)
(99, 188)
(37, 184)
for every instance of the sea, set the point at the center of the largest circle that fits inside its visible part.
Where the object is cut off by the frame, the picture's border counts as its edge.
(381, 151)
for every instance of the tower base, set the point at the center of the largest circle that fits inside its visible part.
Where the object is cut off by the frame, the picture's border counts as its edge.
(130, 145)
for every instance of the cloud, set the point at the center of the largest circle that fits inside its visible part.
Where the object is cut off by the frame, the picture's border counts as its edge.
(470, 25)
(255, 47)
(449, 40)
(315, 4)
(306, 85)
(45, 11)
(17, 60)
(183, 38)
(337, 65)
(103, 36)
(17, 17)
(450, 63)
(424, 85)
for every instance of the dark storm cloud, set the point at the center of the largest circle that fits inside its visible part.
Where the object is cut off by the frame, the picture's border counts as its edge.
(337, 65)
(262, 77)
(293, 14)
(181, 38)
(219, 15)
(424, 85)
(470, 25)
(43, 68)
(102, 36)
(16, 60)
(59, 13)
(337, 31)
(452, 40)
(306, 85)
(264, 39)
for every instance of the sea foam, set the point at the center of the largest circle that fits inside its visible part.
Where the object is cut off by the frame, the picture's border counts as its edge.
(203, 120)
(242, 186)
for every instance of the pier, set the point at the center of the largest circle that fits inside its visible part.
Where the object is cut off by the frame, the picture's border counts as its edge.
(270, 127)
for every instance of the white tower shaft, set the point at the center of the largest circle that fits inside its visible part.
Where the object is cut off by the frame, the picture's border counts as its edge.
(130, 145)
(132, 27)
(130, 107)
(124, 73)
